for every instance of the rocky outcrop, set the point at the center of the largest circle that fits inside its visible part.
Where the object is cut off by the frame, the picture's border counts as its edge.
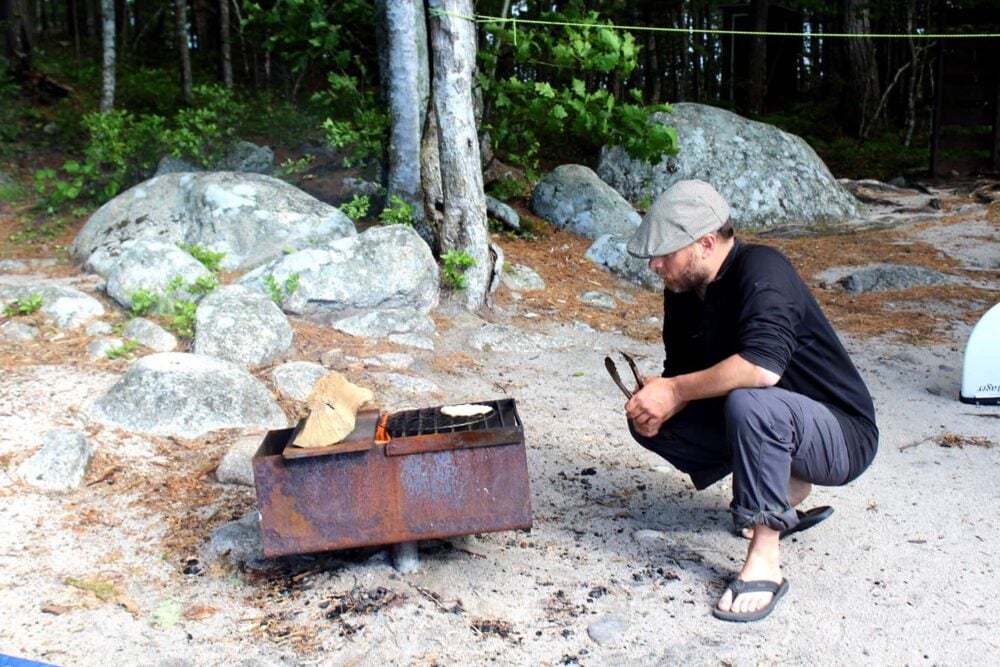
(768, 176)
(250, 218)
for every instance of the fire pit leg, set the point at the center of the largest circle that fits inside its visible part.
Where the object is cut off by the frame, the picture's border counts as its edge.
(405, 557)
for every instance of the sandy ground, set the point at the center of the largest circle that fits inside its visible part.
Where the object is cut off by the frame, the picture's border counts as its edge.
(904, 572)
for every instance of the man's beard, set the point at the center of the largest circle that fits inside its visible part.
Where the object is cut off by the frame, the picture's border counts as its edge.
(691, 278)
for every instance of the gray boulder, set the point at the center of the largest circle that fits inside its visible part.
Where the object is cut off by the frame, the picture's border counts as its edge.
(240, 325)
(236, 466)
(249, 158)
(99, 349)
(14, 330)
(598, 299)
(573, 197)
(61, 463)
(174, 165)
(238, 542)
(251, 218)
(66, 307)
(521, 278)
(768, 176)
(149, 265)
(12, 265)
(884, 277)
(99, 328)
(296, 378)
(149, 334)
(386, 269)
(609, 252)
(497, 210)
(187, 396)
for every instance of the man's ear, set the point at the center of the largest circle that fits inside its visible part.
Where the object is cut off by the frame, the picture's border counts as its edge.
(707, 243)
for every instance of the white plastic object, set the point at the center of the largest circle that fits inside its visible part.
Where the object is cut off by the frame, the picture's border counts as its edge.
(981, 370)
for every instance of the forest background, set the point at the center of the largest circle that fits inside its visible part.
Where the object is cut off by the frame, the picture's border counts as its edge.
(97, 91)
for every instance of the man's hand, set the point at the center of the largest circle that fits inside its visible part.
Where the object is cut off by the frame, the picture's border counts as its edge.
(654, 404)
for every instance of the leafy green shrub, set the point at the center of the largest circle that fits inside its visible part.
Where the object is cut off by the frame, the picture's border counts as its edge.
(521, 114)
(123, 351)
(455, 264)
(25, 306)
(279, 292)
(357, 208)
(182, 318)
(210, 260)
(143, 301)
(289, 168)
(202, 132)
(398, 212)
(506, 188)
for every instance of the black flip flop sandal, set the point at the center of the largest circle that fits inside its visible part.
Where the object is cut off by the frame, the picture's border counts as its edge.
(739, 587)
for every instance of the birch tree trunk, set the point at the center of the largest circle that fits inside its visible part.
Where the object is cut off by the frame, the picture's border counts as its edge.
(463, 225)
(224, 43)
(108, 62)
(180, 12)
(404, 104)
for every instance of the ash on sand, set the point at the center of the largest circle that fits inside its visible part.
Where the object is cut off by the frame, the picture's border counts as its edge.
(904, 572)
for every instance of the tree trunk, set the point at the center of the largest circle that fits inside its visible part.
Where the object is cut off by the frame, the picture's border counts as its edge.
(108, 62)
(405, 111)
(225, 45)
(757, 93)
(17, 17)
(463, 226)
(180, 14)
(862, 68)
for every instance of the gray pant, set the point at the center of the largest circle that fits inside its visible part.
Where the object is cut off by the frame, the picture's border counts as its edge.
(763, 437)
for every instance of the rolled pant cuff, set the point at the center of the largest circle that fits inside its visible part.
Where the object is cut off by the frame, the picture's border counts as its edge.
(779, 520)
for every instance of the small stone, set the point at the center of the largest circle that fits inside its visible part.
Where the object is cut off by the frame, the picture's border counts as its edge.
(521, 278)
(150, 334)
(99, 328)
(236, 466)
(599, 300)
(61, 463)
(14, 330)
(647, 537)
(12, 266)
(334, 359)
(607, 629)
(99, 348)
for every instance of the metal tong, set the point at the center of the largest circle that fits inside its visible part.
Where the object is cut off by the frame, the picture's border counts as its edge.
(613, 372)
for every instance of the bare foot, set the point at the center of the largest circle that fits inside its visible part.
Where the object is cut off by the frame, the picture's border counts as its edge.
(797, 492)
(762, 563)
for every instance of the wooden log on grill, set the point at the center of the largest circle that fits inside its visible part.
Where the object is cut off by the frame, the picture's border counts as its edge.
(333, 407)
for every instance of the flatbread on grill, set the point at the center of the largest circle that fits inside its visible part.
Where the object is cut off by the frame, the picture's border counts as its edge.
(466, 410)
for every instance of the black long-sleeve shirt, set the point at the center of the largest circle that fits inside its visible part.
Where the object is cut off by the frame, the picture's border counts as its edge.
(759, 308)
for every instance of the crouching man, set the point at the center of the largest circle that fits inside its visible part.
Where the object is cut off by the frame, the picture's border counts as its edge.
(755, 383)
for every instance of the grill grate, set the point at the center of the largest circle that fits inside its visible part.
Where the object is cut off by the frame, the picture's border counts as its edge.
(427, 421)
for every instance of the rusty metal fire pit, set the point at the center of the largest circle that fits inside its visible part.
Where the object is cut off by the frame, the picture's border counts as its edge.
(398, 477)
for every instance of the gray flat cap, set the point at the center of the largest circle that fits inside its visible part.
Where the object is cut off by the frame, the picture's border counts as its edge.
(681, 215)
